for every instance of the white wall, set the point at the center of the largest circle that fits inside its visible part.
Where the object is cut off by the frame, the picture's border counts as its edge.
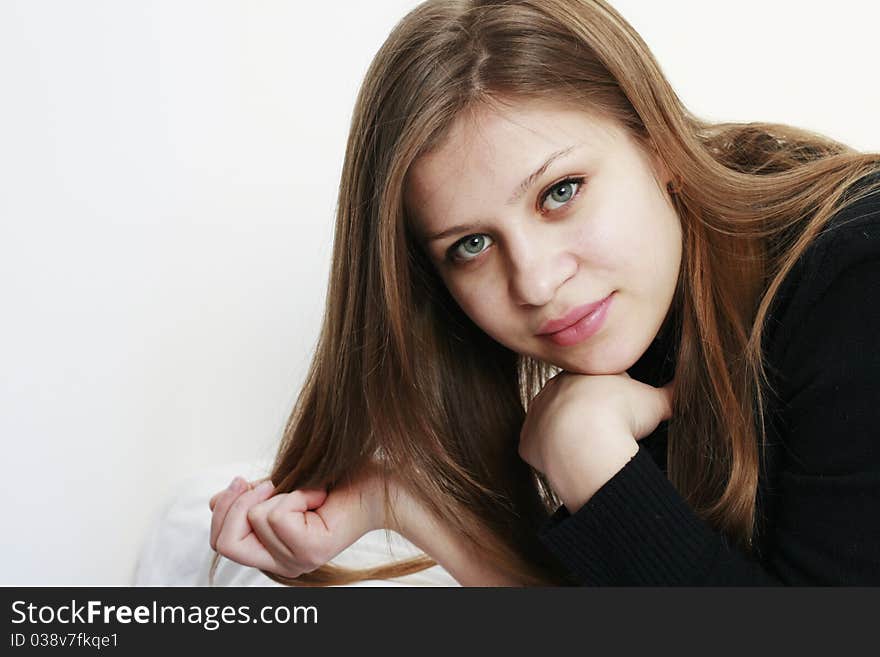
(169, 176)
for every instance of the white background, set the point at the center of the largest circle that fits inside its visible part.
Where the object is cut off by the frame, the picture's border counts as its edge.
(168, 178)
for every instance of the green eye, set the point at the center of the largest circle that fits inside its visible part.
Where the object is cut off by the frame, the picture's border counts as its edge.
(561, 193)
(473, 245)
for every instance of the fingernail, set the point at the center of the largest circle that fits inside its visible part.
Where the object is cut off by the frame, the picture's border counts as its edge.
(235, 483)
(265, 487)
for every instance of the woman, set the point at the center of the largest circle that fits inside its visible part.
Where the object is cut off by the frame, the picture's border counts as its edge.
(512, 168)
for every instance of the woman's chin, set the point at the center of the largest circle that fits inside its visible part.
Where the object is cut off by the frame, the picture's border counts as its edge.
(610, 364)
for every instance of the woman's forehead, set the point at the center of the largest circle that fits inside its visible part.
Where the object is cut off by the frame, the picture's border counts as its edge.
(501, 147)
(490, 136)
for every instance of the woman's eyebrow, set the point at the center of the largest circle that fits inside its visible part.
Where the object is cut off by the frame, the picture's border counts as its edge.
(522, 189)
(537, 173)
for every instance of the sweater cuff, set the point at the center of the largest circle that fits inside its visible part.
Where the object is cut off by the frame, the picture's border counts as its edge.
(635, 530)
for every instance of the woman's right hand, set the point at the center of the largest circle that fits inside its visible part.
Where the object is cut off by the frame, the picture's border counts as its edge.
(293, 533)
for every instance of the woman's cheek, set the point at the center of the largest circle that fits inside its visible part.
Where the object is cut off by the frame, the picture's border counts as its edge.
(597, 243)
(474, 297)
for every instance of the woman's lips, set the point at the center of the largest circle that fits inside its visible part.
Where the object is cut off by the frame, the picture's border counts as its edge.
(587, 322)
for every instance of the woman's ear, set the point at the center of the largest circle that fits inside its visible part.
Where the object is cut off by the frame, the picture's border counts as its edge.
(661, 170)
(663, 175)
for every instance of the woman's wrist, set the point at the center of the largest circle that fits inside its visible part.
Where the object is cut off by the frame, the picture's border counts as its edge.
(406, 516)
(575, 481)
(396, 516)
(460, 558)
(402, 512)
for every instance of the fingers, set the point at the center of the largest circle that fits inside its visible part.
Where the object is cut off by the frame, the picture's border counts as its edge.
(236, 539)
(258, 517)
(220, 504)
(288, 533)
(235, 525)
(250, 552)
(667, 399)
(213, 501)
(305, 499)
(309, 540)
(289, 519)
(332, 525)
(304, 546)
(649, 408)
(236, 486)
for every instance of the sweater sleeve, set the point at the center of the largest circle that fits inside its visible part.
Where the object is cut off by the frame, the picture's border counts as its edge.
(637, 530)
(656, 541)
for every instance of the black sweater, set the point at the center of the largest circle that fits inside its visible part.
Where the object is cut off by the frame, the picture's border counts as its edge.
(819, 494)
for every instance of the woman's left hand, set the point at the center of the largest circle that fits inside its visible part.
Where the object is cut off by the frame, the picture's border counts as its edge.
(581, 429)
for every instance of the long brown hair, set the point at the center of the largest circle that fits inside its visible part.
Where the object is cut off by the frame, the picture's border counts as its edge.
(403, 378)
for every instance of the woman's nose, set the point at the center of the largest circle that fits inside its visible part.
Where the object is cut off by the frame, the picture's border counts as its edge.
(537, 272)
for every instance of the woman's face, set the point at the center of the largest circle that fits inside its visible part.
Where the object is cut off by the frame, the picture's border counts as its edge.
(543, 211)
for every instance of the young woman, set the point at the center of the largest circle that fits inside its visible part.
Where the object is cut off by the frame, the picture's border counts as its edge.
(575, 334)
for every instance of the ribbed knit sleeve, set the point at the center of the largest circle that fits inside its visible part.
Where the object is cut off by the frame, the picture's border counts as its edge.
(638, 531)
